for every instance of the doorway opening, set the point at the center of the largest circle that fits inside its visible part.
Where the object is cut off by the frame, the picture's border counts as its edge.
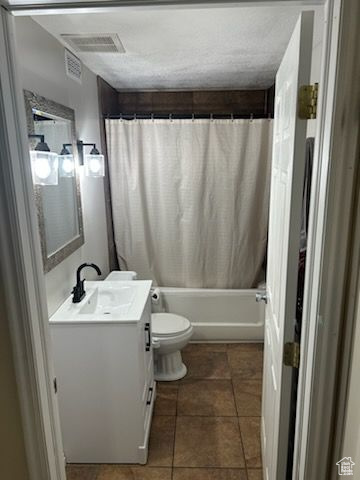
(46, 30)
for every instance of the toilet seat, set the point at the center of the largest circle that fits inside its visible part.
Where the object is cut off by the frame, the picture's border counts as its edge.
(168, 324)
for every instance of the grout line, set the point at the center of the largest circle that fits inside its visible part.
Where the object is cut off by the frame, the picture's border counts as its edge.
(177, 401)
(159, 467)
(218, 416)
(176, 417)
(238, 416)
(243, 449)
(233, 390)
(211, 416)
(209, 467)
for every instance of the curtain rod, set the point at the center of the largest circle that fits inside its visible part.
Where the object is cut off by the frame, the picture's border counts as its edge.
(181, 116)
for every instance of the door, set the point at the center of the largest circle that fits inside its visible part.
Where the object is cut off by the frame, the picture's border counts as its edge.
(287, 176)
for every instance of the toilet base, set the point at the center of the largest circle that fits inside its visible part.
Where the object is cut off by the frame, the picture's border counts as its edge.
(169, 367)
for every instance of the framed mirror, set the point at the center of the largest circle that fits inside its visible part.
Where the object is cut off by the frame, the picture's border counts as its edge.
(58, 206)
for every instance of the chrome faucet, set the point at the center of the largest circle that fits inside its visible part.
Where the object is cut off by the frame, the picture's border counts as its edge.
(79, 291)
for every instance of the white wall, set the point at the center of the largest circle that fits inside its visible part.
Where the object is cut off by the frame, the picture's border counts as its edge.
(41, 59)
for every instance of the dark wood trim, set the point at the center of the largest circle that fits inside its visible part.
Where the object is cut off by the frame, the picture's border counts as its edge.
(270, 101)
(108, 104)
(240, 102)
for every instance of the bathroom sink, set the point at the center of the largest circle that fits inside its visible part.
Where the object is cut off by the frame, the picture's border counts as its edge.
(121, 301)
(109, 300)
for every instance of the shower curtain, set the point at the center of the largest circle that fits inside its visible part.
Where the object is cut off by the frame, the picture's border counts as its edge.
(190, 199)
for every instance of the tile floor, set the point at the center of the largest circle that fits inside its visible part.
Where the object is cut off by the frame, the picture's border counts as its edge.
(205, 426)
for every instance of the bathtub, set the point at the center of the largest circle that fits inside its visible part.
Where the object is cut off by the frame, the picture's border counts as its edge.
(218, 315)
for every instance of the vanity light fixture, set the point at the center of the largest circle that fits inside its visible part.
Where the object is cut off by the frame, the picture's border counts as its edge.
(94, 161)
(44, 163)
(66, 162)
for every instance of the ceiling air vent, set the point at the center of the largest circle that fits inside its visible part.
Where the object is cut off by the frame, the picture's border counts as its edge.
(73, 66)
(94, 43)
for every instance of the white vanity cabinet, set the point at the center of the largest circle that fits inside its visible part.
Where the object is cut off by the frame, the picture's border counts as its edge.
(106, 387)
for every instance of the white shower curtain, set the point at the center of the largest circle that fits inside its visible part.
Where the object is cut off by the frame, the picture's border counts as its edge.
(190, 199)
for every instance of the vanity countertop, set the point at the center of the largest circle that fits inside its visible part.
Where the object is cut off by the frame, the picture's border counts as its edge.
(106, 302)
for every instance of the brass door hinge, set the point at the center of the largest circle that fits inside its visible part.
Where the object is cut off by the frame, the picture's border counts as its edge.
(292, 354)
(308, 95)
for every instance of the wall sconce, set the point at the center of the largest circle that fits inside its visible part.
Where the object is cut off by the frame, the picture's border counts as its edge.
(94, 161)
(44, 163)
(66, 162)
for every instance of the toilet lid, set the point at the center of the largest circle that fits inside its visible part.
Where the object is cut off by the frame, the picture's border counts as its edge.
(168, 324)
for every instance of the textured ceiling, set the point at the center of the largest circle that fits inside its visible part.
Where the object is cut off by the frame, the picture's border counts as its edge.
(177, 48)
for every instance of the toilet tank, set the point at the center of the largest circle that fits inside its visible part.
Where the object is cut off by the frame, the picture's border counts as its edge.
(124, 275)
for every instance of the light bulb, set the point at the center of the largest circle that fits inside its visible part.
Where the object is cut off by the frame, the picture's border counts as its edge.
(94, 165)
(42, 168)
(45, 167)
(66, 165)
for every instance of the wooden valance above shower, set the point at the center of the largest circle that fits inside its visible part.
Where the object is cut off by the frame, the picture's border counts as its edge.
(259, 103)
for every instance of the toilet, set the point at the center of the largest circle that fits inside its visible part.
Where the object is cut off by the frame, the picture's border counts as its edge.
(170, 334)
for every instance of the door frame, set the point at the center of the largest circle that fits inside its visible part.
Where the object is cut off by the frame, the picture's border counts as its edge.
(329, 300)
(19, 239)
(43, 7)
